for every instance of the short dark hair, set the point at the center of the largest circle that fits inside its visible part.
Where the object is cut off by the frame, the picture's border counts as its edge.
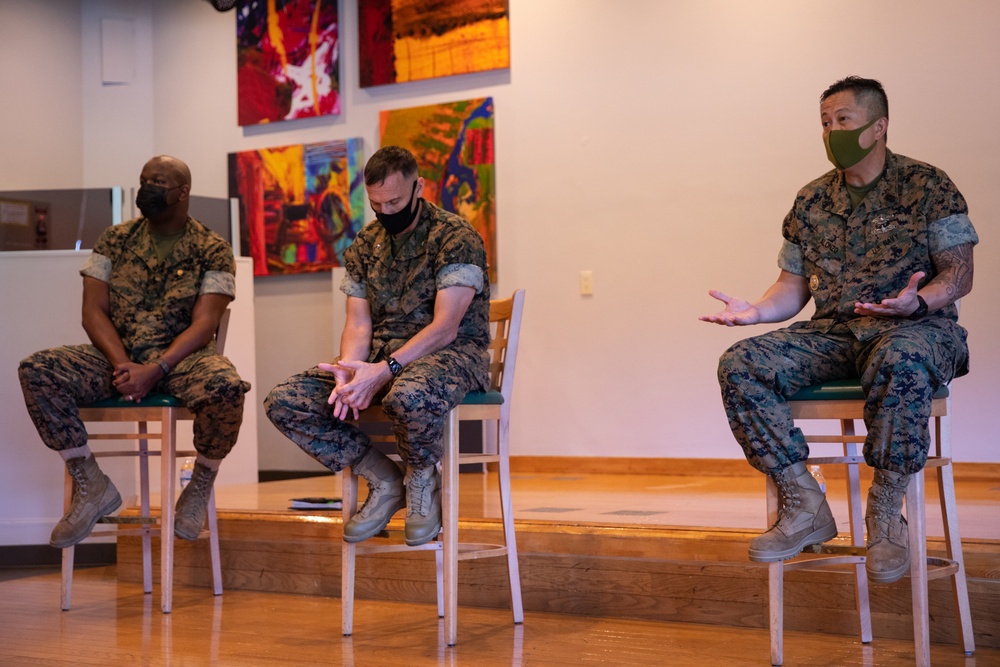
(389, 160)
(869, 93)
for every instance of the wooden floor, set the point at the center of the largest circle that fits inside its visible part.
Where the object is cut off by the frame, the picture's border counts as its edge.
(115, 624)
(609, 563)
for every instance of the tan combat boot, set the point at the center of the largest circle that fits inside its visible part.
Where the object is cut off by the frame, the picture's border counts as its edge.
(804, 517)
(423, 505)
(192, 506)
(386, 496)
(888, 548)
(94, 496)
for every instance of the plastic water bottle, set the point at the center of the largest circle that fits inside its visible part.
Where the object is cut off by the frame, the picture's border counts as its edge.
(187, 469)
(818, 476)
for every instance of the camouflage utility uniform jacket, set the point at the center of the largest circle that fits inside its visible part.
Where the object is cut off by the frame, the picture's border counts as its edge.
(868, 254)
(443, 251)
(152, 300)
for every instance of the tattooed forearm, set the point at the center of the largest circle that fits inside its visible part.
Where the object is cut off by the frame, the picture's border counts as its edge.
(954, 270)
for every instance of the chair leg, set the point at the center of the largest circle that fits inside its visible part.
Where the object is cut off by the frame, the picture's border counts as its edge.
(168, 449)
(67, 576)
(349, 493)
(69, 552)
(507, 510)
(439, 579)
(449, 522)
(213, 545)
(918, 567)
(952, 536)
(776, 608)
(857, 519)
(147, 528)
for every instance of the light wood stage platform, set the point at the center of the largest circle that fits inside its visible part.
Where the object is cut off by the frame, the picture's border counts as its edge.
(627, 544)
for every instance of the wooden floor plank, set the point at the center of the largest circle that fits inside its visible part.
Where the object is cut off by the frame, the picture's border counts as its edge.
(115, 624)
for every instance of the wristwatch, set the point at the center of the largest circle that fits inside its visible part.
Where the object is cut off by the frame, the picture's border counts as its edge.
(395, 368)
(921, 309)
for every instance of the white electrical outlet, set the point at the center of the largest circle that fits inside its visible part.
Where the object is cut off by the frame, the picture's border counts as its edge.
(586, 283)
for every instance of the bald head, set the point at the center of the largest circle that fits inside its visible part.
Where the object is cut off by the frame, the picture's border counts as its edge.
(175, 167)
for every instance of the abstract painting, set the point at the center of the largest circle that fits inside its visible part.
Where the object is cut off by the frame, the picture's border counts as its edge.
(410, 40)
(287, 60)
(300, 206)
(453, 144)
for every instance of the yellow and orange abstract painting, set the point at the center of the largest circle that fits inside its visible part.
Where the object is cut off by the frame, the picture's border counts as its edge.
(453, 144)
(411, 40)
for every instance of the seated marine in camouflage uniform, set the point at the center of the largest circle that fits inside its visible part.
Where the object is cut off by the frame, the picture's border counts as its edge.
(154, 290)
(415, 338)
(883, 245)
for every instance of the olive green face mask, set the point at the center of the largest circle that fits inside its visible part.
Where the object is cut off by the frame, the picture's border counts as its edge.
(843, 147)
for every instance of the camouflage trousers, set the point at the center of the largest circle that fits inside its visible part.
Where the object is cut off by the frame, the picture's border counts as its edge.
(56, 382)
(416, 402)
(899, 370)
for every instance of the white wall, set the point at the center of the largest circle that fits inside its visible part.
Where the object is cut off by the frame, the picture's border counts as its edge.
(658, 143)
(41, 131)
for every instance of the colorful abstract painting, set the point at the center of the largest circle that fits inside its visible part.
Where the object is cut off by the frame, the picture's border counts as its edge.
(453, 144)
(300, 206)
(287, 60)
(410, 40)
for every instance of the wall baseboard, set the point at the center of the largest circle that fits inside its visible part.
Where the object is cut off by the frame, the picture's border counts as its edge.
(34, 555)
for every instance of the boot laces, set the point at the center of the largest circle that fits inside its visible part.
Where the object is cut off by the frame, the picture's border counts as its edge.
(789, 497)
(200, 487)
(419, 493)
(80, 480)
(373, 499)
(884, 502)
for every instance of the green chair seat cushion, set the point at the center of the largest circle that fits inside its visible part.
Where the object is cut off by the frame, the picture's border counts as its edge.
(483, 398)
(153, 400)
(842, 390)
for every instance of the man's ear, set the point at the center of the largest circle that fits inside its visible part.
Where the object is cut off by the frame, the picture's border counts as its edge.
(882, 127)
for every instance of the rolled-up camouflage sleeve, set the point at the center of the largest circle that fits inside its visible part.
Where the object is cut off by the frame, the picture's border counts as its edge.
(97, 266)
(219, 282)
(790, 258)
(220, 270)
(949, 232)
(352, 287)
(354, 283)
(460, 275)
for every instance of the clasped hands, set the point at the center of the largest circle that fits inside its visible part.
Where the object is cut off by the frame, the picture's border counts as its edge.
(134, 380)
(357, 384)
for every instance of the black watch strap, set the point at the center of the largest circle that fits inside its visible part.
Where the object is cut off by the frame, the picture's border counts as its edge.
(921, 309)
(394, 366)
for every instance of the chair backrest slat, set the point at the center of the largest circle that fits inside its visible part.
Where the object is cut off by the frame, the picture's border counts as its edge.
(505, 322)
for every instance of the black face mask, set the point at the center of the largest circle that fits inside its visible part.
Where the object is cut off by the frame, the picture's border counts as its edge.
(396, 222)
(152, 199)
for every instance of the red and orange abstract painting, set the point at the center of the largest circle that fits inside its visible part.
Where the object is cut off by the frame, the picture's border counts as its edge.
(410, 40)
(287, 60)
(300, 206)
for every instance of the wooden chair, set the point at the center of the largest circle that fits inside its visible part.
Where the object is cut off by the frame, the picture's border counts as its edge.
(490, 406)
(166, 410)
(844, 401)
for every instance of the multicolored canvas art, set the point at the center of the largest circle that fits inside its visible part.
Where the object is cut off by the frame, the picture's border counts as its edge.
(287, 59)
(410, 40)
(300, 206)
(453, 144)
